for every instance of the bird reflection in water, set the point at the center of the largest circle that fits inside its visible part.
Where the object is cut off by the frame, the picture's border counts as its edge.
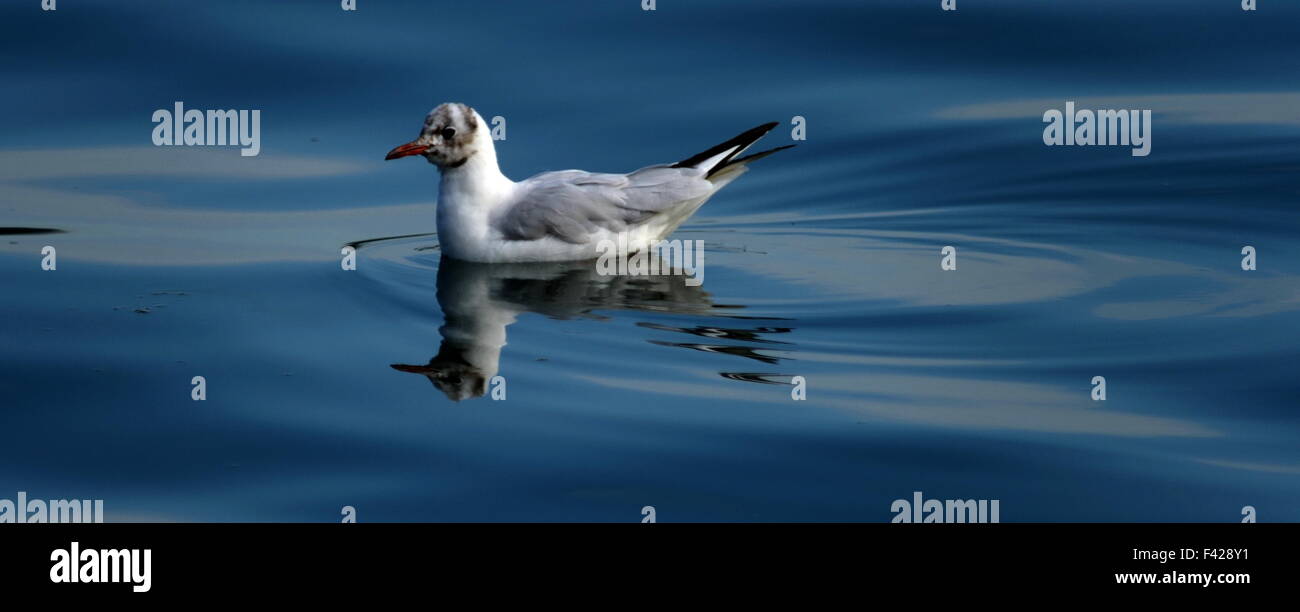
(479, 301)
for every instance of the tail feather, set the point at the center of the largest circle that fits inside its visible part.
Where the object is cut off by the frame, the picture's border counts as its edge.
(721, 156)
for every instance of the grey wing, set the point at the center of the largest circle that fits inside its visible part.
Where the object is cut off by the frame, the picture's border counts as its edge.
(571, 205)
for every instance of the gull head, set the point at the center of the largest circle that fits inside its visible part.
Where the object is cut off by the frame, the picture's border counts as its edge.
(452, 134)
(451, 372)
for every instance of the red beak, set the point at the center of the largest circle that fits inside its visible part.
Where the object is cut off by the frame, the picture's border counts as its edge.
(410, 148)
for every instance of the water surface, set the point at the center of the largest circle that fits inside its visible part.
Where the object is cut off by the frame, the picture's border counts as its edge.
(371, 388)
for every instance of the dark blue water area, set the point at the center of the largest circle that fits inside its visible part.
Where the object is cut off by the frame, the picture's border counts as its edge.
(372, 388)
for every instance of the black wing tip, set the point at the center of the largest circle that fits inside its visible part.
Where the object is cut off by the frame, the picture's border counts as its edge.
(754, 133)
(745, 139)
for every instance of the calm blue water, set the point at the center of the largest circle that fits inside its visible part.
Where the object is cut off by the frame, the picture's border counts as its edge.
(325, 388)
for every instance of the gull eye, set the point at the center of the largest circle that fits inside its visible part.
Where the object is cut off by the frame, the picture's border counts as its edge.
(448, 133)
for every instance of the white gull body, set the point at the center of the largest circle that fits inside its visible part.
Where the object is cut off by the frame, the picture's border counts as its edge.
(483, 216)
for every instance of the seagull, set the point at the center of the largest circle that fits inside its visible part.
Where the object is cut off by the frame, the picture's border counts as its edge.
(564, 215)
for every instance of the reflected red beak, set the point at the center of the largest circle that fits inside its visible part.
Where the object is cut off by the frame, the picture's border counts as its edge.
(410, 148)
